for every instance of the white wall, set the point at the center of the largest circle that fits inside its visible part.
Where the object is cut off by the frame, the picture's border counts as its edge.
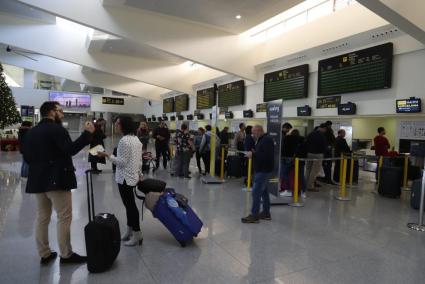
(133, 105)
(31, 97)
(408, 81)
(35, 97)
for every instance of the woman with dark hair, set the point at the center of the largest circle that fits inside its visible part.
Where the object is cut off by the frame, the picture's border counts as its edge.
(97, 139)
(128, 172)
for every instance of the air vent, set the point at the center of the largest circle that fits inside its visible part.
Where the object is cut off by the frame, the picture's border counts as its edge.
(336, 47)
(385, 34)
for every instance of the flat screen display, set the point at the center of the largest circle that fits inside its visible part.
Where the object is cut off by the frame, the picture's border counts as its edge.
(168, 105)
(71, 100)
(181, 103)
(231, 94)
(205, 98)
(363, 70)
(408, 106)
(286, 84)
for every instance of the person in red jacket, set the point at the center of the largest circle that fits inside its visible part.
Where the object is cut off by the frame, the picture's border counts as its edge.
(381, 143)
(381, 146)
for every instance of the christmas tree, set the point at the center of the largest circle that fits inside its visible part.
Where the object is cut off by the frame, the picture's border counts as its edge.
(9, 114)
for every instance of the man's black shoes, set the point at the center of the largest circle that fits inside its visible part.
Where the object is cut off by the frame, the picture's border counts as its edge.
(250, 219)
(46, 260)
(74, 258)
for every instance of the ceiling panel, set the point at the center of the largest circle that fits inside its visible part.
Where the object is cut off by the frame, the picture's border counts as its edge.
(219, 13)
(125, 47)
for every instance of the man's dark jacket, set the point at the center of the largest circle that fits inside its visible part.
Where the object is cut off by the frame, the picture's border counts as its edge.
(48, 149)
(263, 156)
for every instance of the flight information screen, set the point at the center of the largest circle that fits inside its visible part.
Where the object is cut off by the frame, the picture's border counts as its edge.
(205, 98)
(286, 84)
(168, 105)
(181, 102)
(363, 70)
(231, 94)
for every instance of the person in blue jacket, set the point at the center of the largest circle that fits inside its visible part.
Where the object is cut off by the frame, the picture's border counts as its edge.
(263, 160)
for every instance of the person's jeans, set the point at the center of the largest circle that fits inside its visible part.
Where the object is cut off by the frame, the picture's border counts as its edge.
(302, 177)
(24, 169)
(206, 158)
(260, 193)
(61, 201)
(161, 150)
(198, 161)
(285, 169)
(313, 169)
(184, 160)
(127, 197)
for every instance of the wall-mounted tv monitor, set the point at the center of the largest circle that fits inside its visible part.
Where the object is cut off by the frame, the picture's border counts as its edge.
(357, 71)
(70, 100)
(411, 105)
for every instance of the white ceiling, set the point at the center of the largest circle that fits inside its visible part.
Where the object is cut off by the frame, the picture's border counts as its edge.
(219, 13)
(128, 48)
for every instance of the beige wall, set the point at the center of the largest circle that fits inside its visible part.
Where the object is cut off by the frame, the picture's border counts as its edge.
(365, 128)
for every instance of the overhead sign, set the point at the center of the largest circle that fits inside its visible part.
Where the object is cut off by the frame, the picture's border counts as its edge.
(112, 101)
(328, 102)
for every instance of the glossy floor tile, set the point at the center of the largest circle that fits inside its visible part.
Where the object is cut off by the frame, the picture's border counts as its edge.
(364, 240)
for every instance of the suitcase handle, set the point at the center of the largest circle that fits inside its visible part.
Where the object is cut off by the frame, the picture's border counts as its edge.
(90, 196)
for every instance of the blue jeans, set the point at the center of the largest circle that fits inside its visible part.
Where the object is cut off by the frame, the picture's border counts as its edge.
(24, 169)
(260, 192)
(285, 169)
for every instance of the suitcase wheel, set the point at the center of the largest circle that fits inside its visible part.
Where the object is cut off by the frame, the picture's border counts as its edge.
(183, 244)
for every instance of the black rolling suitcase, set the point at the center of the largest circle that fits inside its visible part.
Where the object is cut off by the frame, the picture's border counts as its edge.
(415, 194)
(235, 166)
(102, 234)
(390, 181)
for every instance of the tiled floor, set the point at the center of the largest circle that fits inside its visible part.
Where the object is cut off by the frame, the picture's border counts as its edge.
(364, 240)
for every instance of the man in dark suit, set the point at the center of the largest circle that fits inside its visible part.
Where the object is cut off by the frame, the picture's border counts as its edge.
(48, 149)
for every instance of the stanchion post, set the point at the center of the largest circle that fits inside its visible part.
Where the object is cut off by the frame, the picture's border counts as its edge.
(249, 177)
(405, 172)
(222, 163)
(420, 225)
(296, 202)
(343, 193)
(340, 168)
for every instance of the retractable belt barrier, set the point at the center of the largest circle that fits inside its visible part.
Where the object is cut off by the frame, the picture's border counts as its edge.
(343, 195)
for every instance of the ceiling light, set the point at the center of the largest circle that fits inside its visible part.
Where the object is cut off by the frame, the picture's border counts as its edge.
(238, 17)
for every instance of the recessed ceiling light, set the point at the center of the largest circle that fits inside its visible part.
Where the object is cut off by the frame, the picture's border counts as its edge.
(238, 17)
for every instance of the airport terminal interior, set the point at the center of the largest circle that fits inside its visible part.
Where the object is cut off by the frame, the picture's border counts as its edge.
(346, 198)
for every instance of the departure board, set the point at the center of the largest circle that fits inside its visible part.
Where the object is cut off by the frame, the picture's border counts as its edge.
(168, 105)
(181, 103)
(363, 70)
(286, 84)
(231, 94)
(205, 98)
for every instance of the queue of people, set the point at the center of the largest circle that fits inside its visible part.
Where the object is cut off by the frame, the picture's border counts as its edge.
(48, 149)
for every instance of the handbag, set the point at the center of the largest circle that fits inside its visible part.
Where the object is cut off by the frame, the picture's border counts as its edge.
(151, 185)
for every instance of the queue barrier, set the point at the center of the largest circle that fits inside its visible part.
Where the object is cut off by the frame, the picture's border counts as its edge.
(343, 194)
